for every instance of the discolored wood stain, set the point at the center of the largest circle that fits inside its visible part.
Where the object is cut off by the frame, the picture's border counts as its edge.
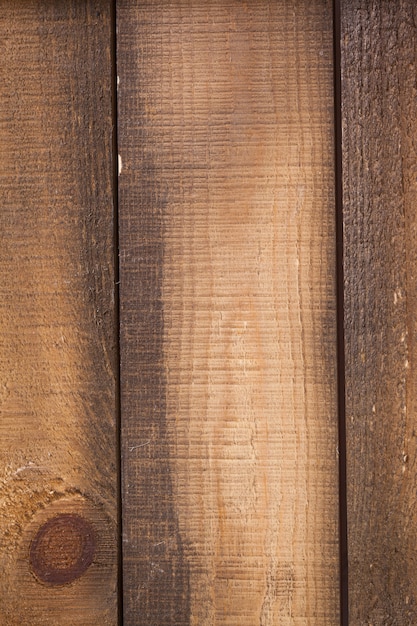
(57, 324)
(156, 576)
(228, 326)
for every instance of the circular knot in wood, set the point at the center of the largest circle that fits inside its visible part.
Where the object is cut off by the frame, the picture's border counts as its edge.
(63, 549)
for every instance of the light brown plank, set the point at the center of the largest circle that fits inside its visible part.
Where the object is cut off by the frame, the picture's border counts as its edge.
(228, 313)
(379, 140)
(57, 383)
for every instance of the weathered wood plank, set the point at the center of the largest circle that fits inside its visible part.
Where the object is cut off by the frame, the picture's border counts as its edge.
(228, 331)
(57, 358)
(379, 55)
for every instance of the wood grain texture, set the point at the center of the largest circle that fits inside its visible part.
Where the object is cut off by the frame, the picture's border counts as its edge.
(228, 326)
(379, 56)
(57, 357)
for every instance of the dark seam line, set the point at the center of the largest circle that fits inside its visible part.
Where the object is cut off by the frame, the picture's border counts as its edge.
(114, 113)
(341, 370)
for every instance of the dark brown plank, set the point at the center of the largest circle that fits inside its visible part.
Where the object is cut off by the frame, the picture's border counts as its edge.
(379, 56)
(228, 313)
(57, 349)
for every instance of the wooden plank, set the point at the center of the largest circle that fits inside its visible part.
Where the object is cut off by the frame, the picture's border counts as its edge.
(379, 139)
(228, 332)
(57, 358)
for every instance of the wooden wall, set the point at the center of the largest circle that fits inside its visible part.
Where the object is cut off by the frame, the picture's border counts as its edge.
(379, 107)
(219, 402)
(228, 325)
(57, 316)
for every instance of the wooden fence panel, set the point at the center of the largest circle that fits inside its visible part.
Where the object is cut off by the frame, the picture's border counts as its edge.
(57, 358)
(379, 56)
(228, 325)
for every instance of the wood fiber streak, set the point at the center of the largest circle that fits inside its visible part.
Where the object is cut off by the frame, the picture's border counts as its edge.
(228, 326)
(379, 62)
(57, 347)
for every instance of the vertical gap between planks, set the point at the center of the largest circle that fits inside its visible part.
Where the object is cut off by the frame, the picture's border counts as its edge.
(344, 617)
(115, 164)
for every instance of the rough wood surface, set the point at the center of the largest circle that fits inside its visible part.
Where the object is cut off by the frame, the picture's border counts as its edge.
(379, 59)
(57, 383)
(228, 335)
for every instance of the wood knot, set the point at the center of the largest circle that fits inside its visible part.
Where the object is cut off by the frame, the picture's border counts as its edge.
(63, 549)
